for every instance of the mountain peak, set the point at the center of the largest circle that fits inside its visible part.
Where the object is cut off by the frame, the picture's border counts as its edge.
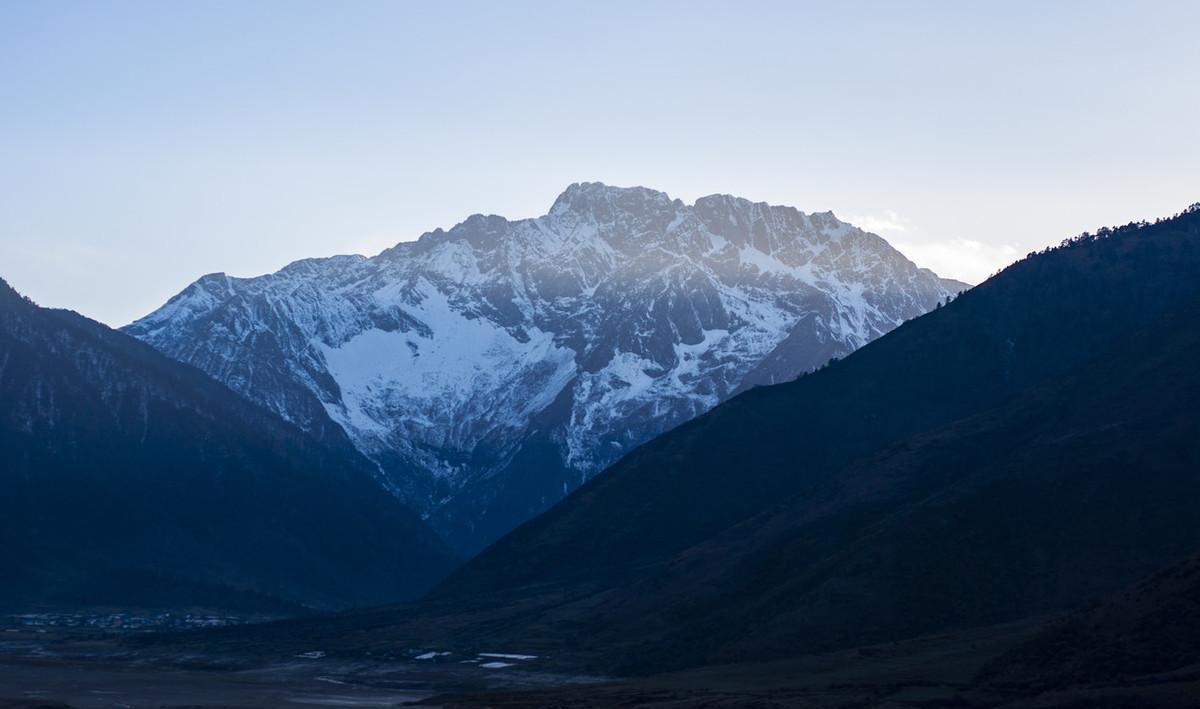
(597, 197)
(619, 314)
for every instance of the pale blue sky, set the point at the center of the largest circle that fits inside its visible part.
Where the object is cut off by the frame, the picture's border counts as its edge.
(145, 144)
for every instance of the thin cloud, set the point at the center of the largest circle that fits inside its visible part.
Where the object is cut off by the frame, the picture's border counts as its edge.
(889, 221)
(963, 259)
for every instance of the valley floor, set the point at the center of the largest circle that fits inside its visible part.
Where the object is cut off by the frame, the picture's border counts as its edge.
(91, 672)
(83, 668)
(932, 671)
(86, 685)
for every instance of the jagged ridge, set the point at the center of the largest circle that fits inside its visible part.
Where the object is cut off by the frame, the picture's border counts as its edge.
(492, 368)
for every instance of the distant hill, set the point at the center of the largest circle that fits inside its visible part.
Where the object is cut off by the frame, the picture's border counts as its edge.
(1029, 447)
(129, 479)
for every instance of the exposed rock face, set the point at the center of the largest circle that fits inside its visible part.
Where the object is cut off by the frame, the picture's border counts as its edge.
(492, 368)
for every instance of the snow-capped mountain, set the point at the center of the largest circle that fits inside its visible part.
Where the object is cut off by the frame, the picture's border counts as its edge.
(490, 369)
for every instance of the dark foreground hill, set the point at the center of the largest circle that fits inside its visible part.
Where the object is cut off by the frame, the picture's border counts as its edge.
(129, 479)
(1150, 629)
(1021, 451)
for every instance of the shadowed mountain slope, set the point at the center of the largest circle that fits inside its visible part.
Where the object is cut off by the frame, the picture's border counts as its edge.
(1149, 629)
(130, 479)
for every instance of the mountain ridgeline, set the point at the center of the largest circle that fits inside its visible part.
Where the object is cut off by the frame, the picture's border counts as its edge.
(1031, 446)
(129, 479)
(490, 369)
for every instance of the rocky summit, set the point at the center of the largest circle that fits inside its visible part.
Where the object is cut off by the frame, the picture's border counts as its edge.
(491, 368)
